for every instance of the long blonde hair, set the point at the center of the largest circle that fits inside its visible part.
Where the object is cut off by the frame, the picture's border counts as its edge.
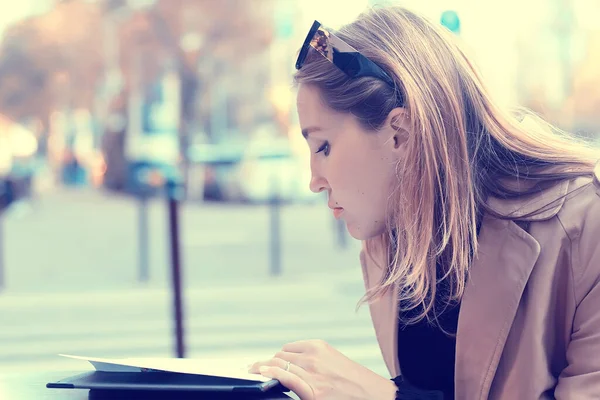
(461, 150)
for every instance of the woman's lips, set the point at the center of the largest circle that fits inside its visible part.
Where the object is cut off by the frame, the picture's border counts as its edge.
(337, 212)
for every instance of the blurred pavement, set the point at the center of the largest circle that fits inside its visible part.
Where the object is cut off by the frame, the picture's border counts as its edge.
(73, 240)
(241, 323)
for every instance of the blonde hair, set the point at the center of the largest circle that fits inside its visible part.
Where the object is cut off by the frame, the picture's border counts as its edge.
(462, 150)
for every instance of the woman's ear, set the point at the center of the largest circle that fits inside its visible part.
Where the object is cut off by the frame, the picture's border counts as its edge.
(398, 127)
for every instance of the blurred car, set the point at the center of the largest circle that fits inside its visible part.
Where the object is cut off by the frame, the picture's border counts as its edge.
(18, 162)
(152, 148)
(255, 171)
(271, 170)
(216, 167)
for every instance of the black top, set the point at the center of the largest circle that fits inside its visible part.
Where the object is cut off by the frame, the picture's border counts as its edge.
(427, 350)
(427, 354)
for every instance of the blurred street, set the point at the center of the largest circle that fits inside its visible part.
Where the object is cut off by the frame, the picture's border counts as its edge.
(77, 292)
(239, 322)
(73, 240)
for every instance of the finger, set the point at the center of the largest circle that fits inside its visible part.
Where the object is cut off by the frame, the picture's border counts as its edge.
(272, 362)
(304, 361)
(295, 358)
(253, 368)
(293, 368)
(290, 380)
(282, 364)
(297, 347)
(303, 346)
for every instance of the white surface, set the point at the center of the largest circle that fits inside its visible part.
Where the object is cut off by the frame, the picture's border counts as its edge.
(226, 368)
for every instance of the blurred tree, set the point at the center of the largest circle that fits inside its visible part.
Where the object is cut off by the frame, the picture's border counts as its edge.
(50, 63)
(209, 43)
(23, 76)
(42, 59)
(42, 50)
(206, 39)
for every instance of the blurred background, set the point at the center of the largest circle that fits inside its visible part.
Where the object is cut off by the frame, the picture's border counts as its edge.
(132, 130)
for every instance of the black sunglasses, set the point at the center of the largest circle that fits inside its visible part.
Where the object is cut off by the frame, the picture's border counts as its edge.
(341, 54)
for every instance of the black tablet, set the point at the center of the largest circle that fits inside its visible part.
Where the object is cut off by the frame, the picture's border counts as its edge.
(164, 381)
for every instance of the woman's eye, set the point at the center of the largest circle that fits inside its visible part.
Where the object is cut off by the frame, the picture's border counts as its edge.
(325, 149)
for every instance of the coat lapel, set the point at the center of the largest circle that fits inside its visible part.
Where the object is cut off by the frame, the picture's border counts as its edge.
(497, 279)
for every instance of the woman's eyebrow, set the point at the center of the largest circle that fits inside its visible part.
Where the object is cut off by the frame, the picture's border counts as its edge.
(308, 131)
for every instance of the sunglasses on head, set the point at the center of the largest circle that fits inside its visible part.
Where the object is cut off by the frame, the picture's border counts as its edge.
(340, 54)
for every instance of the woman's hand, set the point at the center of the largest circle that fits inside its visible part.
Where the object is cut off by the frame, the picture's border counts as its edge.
(316, 371)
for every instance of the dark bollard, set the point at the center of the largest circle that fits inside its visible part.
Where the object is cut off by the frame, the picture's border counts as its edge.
(1, 250)
(174, 195)
(6, 198)
(275, 231)
(143, 273)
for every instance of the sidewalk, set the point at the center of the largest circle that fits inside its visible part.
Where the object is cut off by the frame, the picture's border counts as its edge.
(83, 240)
(241, 322)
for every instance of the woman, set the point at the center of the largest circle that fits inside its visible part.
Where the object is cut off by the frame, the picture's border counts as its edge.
(479, 227)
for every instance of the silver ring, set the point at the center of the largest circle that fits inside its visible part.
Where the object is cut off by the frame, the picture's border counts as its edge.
(287, 366)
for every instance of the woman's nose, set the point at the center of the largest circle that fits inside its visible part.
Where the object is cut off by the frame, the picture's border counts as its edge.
(318, 184)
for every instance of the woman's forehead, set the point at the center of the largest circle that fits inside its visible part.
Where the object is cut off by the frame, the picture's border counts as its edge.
(308, 97)
(313, 112)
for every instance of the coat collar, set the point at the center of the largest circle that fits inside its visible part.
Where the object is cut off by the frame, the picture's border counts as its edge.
(488, 307)
(549, 200)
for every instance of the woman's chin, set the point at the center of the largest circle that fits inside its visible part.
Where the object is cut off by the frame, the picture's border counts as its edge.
(360, 233)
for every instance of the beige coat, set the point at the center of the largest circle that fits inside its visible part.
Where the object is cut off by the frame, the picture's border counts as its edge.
(529, 324)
